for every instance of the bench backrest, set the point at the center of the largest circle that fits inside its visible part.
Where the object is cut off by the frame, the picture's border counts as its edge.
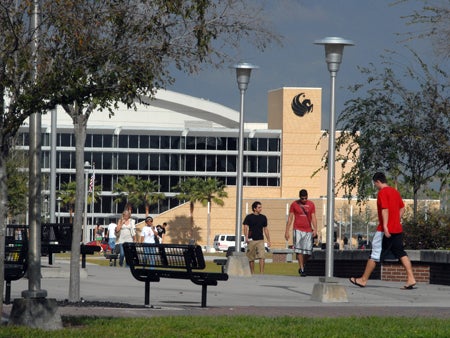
(16, 258)
(170, 256)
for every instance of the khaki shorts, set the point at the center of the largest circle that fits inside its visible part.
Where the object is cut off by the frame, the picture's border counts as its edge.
(255, 250)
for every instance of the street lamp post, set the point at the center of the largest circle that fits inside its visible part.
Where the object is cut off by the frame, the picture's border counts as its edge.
(243, 71)
(334, 48)
(87, 165)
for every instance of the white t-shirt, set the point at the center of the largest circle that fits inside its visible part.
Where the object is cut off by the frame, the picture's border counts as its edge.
(148, 234)
(112, 230)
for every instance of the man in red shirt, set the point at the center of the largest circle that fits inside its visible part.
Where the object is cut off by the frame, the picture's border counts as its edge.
(302, 215)
(389, 235)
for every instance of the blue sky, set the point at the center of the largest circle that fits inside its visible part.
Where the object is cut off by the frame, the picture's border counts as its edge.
(371, 24)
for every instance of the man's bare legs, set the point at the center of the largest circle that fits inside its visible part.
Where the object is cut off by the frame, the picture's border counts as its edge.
(261, 266)
(411, 281)
(252, 267)
(302, 259)
(370, 266)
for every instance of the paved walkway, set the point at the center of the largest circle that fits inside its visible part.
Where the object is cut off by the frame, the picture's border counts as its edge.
(265, 295)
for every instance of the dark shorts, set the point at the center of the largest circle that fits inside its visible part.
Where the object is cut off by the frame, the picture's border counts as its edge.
(393, 245)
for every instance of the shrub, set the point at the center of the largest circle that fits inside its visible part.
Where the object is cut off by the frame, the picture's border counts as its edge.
(429, 231)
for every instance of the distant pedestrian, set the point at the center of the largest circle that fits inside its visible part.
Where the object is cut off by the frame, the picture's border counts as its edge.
(302, 217)
(161, 232)
(99, 236)
(148, 233)
(111, 234)
(126, 231)
(389, 235)
(255, 227)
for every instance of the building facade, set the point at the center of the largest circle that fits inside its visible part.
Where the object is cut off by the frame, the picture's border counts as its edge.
(174, 137)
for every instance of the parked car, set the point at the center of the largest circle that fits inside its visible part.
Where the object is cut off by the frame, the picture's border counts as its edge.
(105, 246)
(223, 241)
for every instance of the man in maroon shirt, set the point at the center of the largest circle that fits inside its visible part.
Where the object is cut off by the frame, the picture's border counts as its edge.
(302, 216)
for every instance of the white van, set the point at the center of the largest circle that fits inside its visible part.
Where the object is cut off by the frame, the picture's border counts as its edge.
(223, 241)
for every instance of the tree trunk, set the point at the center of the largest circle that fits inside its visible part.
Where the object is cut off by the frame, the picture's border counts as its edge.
(80, 122)
(3, 221)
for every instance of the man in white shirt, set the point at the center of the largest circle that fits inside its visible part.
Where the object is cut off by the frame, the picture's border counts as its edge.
(112, 236)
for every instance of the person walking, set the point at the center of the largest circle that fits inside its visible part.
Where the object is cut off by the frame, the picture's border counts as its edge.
(149, 232)
(126, 231)
(161, 232)
(255, 228)
(111, 234)
(99, 236)
(302, 218)
(389, 235)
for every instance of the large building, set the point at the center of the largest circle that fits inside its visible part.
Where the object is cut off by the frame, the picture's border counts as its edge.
(177, 136)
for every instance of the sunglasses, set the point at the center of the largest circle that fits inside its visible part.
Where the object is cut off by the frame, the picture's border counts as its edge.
(303, 198)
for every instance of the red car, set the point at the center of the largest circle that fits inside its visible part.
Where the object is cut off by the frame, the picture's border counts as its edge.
(105, 246)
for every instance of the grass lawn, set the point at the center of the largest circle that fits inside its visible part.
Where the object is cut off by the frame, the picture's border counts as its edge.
(284, 269)
(240, 326)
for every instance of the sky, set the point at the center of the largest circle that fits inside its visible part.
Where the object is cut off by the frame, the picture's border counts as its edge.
(372, 25)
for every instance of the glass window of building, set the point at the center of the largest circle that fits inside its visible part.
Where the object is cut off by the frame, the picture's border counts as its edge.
(123, 141)
(165, 142)
(133, 141)
(107, 141)
(133, 160)
(154, 141)
(144, 142)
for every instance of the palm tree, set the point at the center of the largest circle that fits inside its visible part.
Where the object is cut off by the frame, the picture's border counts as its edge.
(206, 192)
(67, 195)
(149, 194)
(127, 190)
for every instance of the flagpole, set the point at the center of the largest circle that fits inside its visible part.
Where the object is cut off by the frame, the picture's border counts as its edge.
(93, 192)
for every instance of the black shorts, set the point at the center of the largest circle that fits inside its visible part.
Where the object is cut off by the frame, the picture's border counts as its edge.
(394, 245)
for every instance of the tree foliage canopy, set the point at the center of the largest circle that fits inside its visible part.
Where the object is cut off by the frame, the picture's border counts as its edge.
(433, 18)
(390, 127)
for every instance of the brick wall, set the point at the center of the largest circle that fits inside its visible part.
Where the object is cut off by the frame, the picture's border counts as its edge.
(395, 272)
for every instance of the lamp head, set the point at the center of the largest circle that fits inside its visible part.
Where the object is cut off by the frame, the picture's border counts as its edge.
(87, 165)
(334, 49)
(243, 71)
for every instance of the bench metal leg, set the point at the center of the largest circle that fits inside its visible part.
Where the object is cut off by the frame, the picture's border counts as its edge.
(83, 261)
(147, 293)
(8, 292)
(204, 293)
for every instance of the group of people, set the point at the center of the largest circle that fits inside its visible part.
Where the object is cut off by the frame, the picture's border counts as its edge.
(125, 231)
(302, 219)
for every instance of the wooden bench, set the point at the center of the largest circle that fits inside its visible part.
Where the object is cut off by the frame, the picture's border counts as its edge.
(151, 262)
(16, 263)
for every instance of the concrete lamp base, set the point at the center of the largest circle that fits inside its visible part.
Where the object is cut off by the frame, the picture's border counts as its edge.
(41, 313)
(237, 265)
(329, 291)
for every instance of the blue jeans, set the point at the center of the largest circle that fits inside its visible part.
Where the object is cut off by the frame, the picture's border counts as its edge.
(112, 244)
(121, 254)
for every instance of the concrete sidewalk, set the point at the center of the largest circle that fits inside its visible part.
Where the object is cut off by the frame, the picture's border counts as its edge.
(265, 295)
